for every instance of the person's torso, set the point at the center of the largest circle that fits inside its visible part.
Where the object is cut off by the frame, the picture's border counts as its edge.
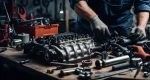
(114, 13)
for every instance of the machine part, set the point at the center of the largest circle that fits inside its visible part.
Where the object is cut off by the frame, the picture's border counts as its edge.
(135, 62)
(111, 73)
(138, 51)
(138, 69)
(86, 63)
(146, 66)
(145, 74)
(36, 2)
(113, 61)
(66, 72)
(82, 71)
(63, 64)
(24, 61)
(120, 66)
(24, 37)
(85, 75)
(104, 55)
(16, 42)
(64, 47)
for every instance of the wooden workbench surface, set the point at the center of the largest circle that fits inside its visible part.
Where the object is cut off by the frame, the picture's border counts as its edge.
(35, 67)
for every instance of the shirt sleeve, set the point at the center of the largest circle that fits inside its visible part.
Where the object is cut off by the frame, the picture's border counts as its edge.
(73, 2)
(142, 5)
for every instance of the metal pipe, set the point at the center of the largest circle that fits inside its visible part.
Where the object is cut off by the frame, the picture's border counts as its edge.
(108, 62)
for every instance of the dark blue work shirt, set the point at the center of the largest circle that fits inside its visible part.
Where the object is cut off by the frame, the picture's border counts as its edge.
(115, 14)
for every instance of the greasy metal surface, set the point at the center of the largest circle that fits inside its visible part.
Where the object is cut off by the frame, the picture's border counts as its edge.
(35, 66)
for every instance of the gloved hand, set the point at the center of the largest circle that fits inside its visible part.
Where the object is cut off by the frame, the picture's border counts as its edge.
(99, 29)
(138, 34)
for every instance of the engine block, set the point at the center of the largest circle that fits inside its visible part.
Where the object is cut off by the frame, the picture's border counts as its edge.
(64, 47)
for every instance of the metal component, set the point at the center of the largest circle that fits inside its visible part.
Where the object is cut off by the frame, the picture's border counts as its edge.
(63, 64)
(82, 71)
(66, 72)
(86, 63)
(138, 69)
(135, 62)
(24, 61)
(24, 37)
(120, 66)
(146, 66)
(64, 47)
(112, 61)
(111, 73)
(145, 74)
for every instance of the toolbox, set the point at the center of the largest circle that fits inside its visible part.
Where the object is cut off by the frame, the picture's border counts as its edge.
(38, 30)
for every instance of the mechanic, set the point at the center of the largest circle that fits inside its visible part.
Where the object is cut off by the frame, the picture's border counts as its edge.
(99, 18)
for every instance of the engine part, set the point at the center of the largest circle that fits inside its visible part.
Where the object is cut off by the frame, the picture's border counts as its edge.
(145, 74)
(86, 63)
(104, 63)
(111, 73)
(138, 69)
(135, 62)
(64, 47)
(121, 66)
(83, 72)
(146, 66)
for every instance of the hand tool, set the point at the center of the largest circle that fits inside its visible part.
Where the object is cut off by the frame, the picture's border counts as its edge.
(110, 73)
(21, 11)
(24, 61)
(63, 64)
(145, 74)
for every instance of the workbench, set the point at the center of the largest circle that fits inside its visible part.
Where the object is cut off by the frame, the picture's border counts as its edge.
(36, 68)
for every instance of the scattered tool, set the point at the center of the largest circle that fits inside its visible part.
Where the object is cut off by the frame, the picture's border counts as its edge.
(111, 73)
(24, 61)
(63, 64)
(21, 11)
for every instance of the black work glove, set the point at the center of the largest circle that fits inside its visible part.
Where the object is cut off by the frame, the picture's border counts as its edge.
(138, 34)
(99, 29)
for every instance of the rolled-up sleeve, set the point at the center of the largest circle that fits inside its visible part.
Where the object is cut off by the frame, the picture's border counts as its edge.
(142, 5)
(73, 2)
